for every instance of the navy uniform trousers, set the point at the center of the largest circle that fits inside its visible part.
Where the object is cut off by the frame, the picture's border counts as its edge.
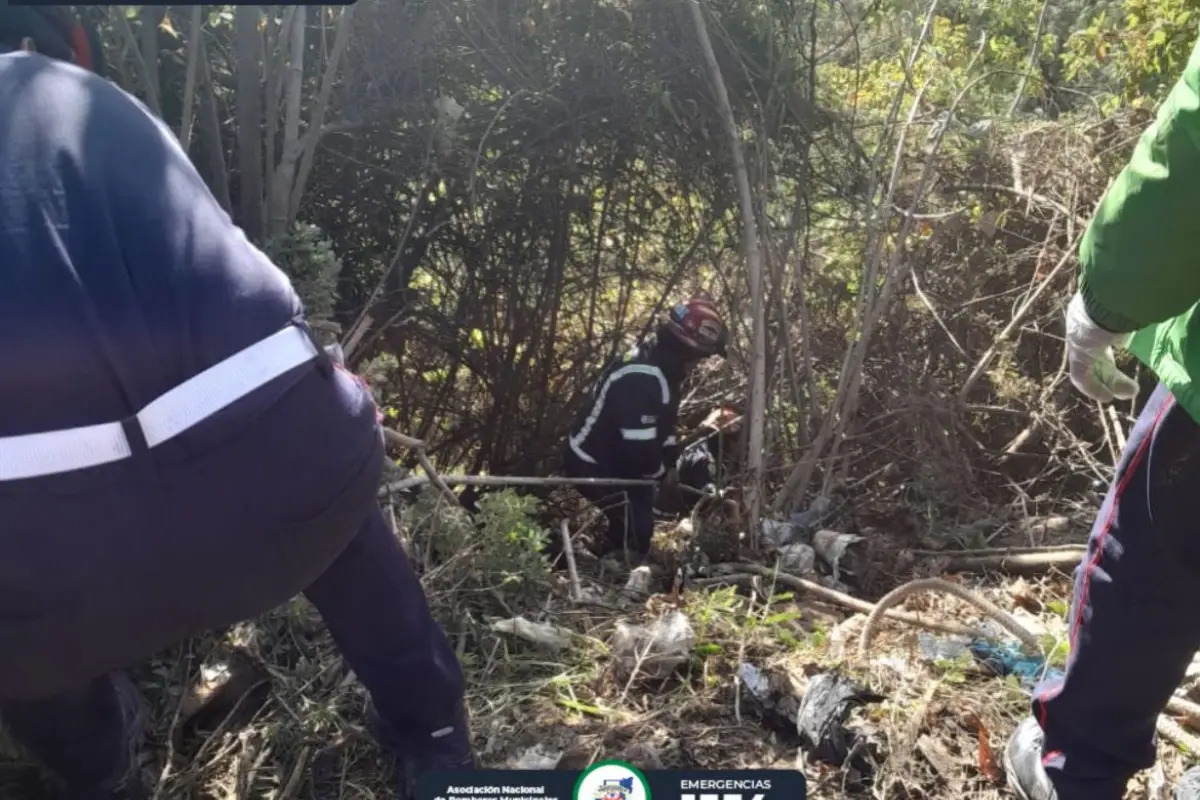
(628, 509)
(266, 499)
(1132, 625)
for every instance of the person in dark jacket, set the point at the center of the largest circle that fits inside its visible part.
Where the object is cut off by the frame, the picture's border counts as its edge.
(626, 428)
(177, 452)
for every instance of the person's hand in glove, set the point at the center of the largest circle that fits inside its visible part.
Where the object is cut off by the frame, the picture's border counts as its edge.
(1090, 356)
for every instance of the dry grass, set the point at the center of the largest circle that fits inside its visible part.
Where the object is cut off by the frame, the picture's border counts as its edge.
(295, 730)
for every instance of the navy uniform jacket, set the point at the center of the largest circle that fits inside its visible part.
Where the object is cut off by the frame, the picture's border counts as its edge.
(120, 275)
(626, 428)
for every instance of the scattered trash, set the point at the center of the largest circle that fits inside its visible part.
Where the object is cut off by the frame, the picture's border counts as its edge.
(774, 700)
(775, 534)
(755, 681)
(448, 109)
(537, 757)
(1007, 658)
(227, 693)
(1001, 657)
(653, 650)
(808, 520)
(797, 558)
(979, 129)
(942, 648)
(639, 581)
(540, 633)
(831, 546)
(821, 720)
(220, 685)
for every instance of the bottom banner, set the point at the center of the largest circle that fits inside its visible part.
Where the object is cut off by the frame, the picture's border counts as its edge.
(614, 780)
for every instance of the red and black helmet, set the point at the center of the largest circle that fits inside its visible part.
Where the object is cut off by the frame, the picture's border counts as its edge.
(56, 31)
(697, 324)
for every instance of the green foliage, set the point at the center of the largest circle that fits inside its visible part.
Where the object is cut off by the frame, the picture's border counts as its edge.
(512, 542)
(306, 254)
(1057, 649)
(501, 548)
(1140, 45)
(954, 670)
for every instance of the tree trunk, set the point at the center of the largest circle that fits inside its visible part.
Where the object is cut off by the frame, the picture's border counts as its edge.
(189, 82)
(316, 120)
(249, 115)
(753, 254)
(285, 172)
(210, 132)
(151, 17)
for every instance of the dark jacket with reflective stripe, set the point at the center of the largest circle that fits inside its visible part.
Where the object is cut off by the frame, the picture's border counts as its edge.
(626, 427)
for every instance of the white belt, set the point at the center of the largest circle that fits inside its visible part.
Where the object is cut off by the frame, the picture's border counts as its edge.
(197, 398)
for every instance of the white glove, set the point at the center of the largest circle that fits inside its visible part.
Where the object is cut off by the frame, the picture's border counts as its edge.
(1090, 356)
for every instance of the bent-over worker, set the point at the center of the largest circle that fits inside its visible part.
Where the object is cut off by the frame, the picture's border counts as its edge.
(701, 464)
(177, 453)
(1132, 625)
(626, 428)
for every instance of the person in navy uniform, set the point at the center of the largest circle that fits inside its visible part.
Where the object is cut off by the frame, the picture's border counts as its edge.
(626, 428)
(177, 453)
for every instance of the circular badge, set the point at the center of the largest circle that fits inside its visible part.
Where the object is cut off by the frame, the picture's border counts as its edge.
(612, 780)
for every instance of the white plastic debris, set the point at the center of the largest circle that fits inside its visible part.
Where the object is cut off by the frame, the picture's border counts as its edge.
(540, 633)
(942, 648)
(831, 546)
(537, 757)
(639, 581)
(654, 650)
(979, 129)
(797, 558)
(775, 534)
(448, 109)
(755, 681)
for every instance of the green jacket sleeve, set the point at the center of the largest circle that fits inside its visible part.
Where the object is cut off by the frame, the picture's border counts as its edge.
(1141, 252)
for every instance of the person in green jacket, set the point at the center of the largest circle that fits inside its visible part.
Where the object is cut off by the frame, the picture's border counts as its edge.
(1133, 626)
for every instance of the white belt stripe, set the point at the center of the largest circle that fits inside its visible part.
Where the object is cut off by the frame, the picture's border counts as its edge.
(201, 396)
(639, 434)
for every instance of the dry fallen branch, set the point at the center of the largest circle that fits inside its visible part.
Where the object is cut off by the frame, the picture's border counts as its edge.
(419, 447)
(747, 571)
(1017, 563)
(999, 552)
(569, 553)
(961, 592)
(509, 480)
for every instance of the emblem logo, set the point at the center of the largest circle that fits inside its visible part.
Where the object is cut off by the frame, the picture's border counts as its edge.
(612, 780)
